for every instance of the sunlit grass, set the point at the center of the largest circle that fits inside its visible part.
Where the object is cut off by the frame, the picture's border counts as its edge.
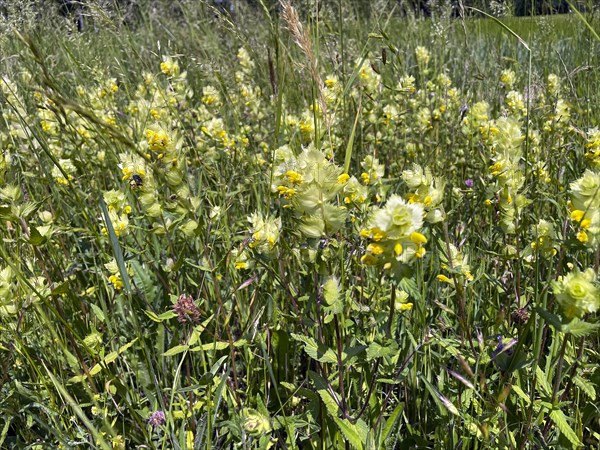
(330, 232)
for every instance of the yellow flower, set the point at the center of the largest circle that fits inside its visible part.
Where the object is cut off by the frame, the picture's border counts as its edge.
(331, 81)
(116, 282)
(412, 198)
(444, 279)
(169, 67)
(377, 234)
(294, 177)
(158, 141)
(343, 178)
(375, 249)
(368, 259)
(422, 55)
(418, 238)
(265, 232)
(577, 215)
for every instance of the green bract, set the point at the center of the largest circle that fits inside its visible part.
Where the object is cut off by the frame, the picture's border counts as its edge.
(577, 293)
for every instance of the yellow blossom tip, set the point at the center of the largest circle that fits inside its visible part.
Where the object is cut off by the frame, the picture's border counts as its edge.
(418, 238)
(444, 279)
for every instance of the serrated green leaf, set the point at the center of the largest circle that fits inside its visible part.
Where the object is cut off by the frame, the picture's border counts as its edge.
(35, 237)
(351, 353)
(331, 292)
(98, 312)
(375, 350)
(144, 278)
(522, 395)
(316, 351)
(351, 432)
(312, 227)
(586, 386)
(321, 387)
(6, 213)
(560, 420)
(240, 343)
(390, 423)
(329, 402)
(28, 208)
(409, 286)
(62, 288)
(288, 386)
(542, 381)
(580, 328)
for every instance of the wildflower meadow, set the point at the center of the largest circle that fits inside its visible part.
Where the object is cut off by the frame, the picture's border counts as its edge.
(299, 225)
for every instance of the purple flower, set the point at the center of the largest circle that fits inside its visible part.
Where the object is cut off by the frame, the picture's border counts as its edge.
(157, 418)
(469, 182)
(186, 309)
(504, 348)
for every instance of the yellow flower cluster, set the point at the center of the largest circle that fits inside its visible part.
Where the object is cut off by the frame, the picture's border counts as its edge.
(310, 183)
(114, 278)
(577, 293)
(169, 67)
(427, 190)
(544, 244)
(585, 207)
(393, 234)
(508, 78)
(455, 263)
(504, 138)
(118, 211)
(368, 78)
(265, 232)
(593, 147)
(67, 174)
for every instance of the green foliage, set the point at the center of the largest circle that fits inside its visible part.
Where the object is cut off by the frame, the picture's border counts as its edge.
(336, 231)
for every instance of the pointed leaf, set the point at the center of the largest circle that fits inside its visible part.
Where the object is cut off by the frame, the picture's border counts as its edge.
(542, 381)
(316, 351)
(585, 386)
(559, 418)
(391, 422)
(176, 350)
(350, 432)
(551, 319)
(579, 328)
(375, 350)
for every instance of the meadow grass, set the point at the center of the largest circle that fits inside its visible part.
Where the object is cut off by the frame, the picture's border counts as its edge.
(286, 230)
